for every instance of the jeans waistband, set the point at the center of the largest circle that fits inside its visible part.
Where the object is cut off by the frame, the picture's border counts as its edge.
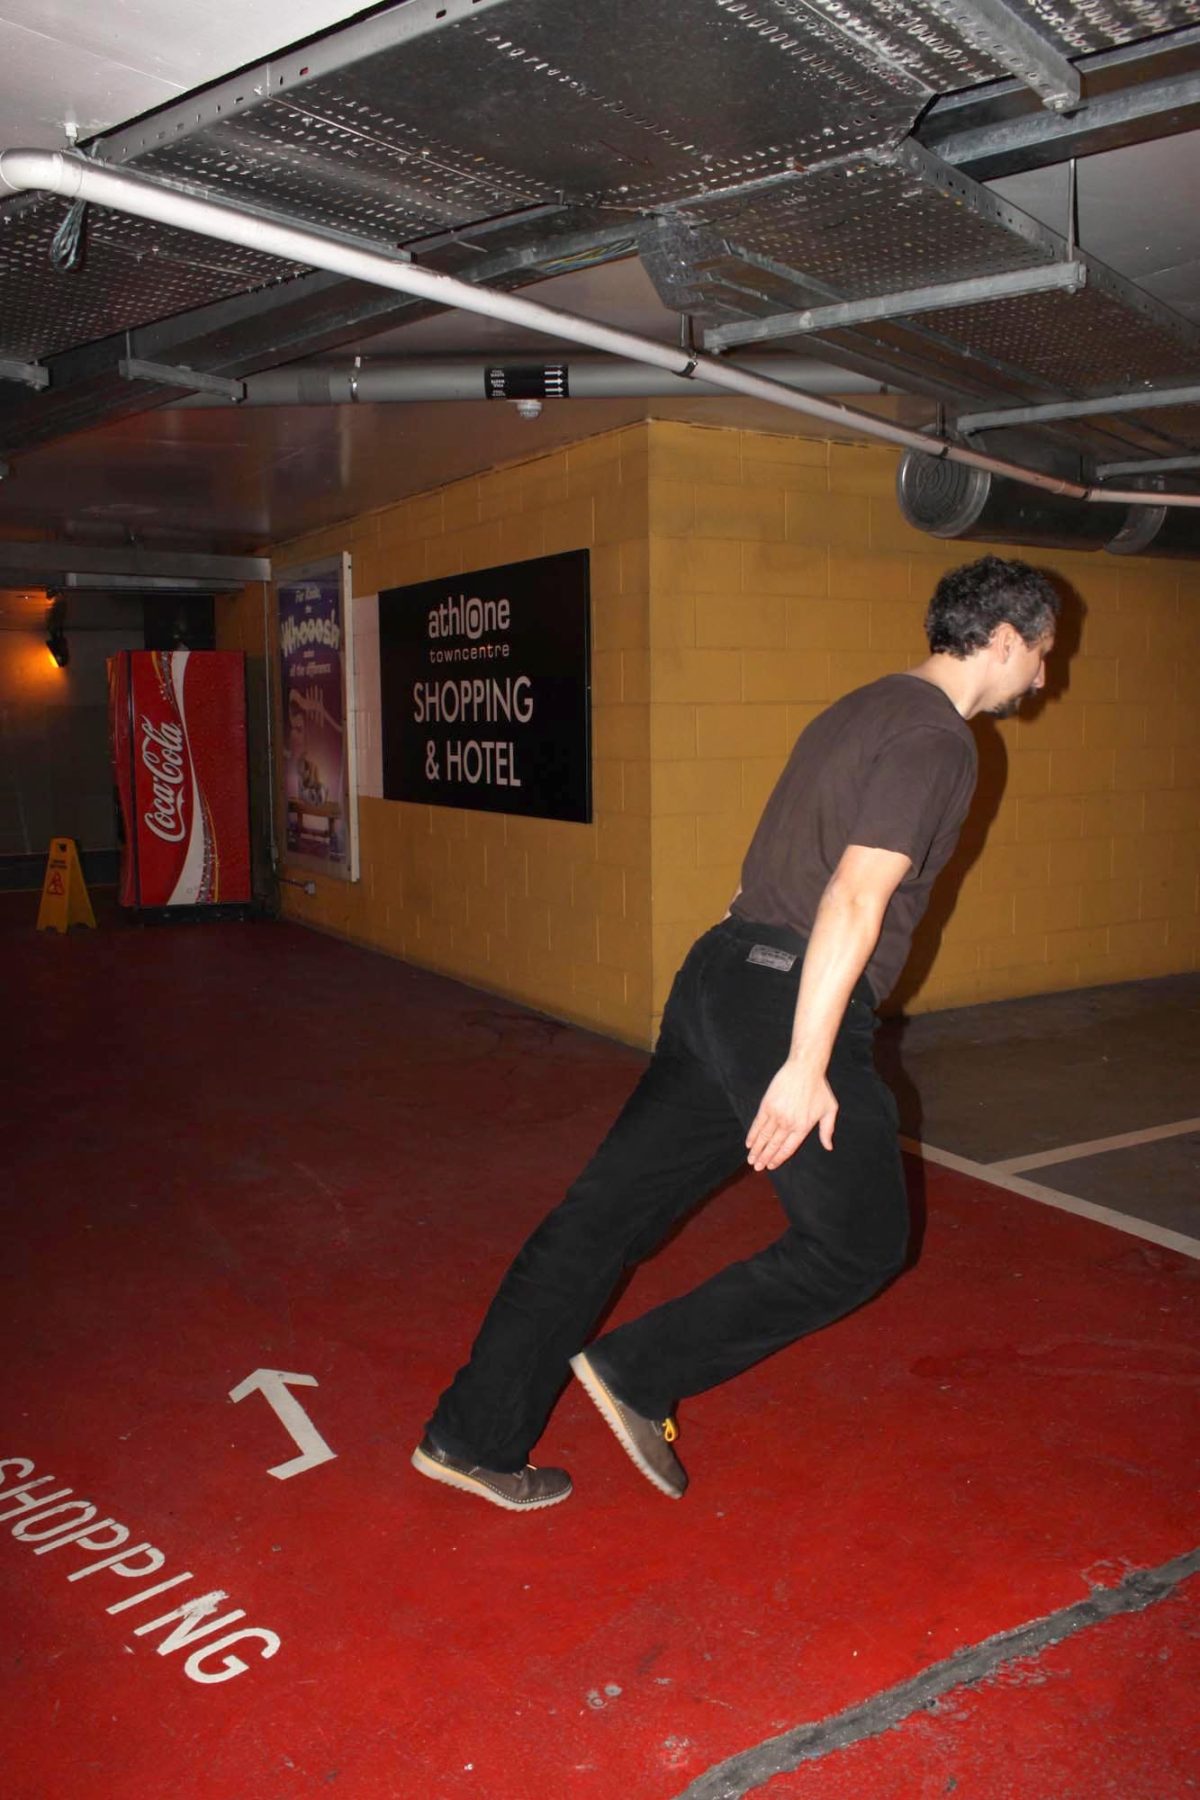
(753, 931)
(782, 937)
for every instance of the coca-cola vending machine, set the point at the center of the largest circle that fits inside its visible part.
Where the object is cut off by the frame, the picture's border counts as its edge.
(177, 727)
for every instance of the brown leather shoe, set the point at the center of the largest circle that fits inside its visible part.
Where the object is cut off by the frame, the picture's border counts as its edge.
(646, 1441)
(522, 1492)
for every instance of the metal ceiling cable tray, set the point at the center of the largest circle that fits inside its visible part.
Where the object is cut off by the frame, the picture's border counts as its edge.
(783, 122)
(902, 219)
(75, 178)
(366, 132)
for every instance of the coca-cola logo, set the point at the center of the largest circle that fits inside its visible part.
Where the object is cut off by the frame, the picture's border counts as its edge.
(163, 753)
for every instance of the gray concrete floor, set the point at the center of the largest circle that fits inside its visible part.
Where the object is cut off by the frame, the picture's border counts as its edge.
(1022, 1079)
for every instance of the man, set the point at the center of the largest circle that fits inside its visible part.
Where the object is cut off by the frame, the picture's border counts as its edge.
(764, 1056)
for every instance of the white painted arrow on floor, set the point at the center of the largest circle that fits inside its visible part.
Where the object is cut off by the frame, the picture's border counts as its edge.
(273, 1384)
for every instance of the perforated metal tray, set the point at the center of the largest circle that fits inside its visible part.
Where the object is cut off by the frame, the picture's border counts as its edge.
(893, 221)
(770, 135)
(516, 105)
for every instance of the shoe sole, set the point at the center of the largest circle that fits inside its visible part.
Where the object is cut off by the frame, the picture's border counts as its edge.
(610, 1413)
(466, 1484)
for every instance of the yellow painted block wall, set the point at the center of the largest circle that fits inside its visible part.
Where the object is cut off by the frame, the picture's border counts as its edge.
(555, 915)
(782, 574)
(740, 582)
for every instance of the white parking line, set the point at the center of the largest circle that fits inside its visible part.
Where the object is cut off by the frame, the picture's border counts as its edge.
(1033, 1190)
(1041, 1159)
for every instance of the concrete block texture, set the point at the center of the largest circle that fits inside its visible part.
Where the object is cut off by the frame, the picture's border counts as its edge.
(741, 581)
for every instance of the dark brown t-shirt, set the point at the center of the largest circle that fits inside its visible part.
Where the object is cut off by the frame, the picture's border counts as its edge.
(891, 766)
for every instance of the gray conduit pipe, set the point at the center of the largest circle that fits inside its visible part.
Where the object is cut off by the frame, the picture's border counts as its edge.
(389, 380)
(75, 178)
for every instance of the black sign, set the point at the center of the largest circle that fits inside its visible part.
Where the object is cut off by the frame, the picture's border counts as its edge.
(527, 381)
(485, 691)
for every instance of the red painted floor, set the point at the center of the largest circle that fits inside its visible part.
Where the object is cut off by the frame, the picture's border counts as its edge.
(1109, 1714)
(245, 1147)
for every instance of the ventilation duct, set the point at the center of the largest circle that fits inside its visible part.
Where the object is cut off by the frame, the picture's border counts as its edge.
(951, 500)
(1177, 535)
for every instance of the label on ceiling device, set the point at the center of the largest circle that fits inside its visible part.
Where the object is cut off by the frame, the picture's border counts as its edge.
(526, 381)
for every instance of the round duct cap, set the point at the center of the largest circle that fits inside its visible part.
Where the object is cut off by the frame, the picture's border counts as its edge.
(942, 497)
(1142, 525)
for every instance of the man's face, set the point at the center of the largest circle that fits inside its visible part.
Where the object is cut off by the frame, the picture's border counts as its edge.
(1020, 669)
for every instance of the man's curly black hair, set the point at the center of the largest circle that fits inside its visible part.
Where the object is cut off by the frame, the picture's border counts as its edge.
(970, 602)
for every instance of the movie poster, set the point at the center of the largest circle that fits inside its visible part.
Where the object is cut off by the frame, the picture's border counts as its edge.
(316, 703)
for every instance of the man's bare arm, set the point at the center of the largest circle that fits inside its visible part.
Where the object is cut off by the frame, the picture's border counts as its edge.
(845, 931)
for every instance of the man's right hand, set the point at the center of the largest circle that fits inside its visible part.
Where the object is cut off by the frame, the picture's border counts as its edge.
(798, 1099)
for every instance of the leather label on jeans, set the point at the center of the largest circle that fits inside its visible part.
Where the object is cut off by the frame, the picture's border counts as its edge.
(771, 958)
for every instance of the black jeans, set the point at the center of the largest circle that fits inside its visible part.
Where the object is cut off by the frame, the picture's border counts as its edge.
(726, 1030)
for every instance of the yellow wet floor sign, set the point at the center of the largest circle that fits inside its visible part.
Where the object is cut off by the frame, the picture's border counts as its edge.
(65, 899)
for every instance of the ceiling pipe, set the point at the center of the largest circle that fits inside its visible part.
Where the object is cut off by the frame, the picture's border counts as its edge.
(75, 178)
(388, 380)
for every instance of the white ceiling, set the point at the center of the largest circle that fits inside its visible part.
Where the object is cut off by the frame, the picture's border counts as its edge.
(236, 480)
(72, 63)
(1138, 210)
